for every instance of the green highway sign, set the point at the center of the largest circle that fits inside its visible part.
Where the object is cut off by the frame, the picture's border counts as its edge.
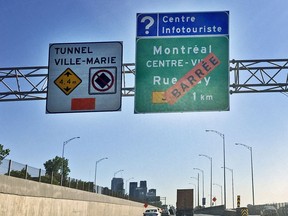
(194, 68)
(162, 62)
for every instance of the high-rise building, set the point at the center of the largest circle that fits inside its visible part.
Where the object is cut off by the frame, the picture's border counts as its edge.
(151, 196)
(139, 193)
(117, 185)
(151, 192)
(132, 189)
(143, 186)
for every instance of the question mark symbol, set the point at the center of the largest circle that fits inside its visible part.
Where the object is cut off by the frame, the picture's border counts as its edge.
(150, 23)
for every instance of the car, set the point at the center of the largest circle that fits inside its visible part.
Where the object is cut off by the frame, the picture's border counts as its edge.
(269, 211)
(165, 211)
(152, 212)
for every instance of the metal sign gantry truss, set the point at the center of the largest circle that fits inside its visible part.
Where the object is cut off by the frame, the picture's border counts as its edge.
(247, 76)
(256, 76)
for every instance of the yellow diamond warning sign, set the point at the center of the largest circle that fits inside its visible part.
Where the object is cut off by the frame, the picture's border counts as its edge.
(67, 81)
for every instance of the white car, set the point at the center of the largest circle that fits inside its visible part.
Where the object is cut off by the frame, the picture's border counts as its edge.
(152, 212)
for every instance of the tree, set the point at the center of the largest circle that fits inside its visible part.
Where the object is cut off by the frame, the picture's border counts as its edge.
(3, 152)
(55, 166)
(20, 174)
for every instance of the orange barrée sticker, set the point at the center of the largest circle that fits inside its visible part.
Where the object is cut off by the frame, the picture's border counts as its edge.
(190, 79)
(83, 104)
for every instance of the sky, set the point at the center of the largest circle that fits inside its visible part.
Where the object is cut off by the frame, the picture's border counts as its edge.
(161, 148)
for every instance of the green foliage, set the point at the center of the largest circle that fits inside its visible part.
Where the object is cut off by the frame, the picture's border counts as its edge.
(54, 166)
(3, 152)
(47, 179)
(20, 174)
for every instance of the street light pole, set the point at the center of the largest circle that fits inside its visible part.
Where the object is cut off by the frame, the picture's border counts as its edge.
(197, 187)
(118, 172)
(221, 192)
(224, 162)
(232, 184)
(194, 192)
(203, 196)
(96, 171)
(251, 156)
(63, 149)
(210, 158)
(127, 183)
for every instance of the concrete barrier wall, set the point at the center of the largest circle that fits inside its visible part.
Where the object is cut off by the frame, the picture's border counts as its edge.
(19, 197)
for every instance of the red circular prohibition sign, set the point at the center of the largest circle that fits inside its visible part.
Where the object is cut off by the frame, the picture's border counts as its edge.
(99, 76)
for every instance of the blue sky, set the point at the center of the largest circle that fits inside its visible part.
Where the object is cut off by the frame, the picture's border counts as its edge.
(160, 148)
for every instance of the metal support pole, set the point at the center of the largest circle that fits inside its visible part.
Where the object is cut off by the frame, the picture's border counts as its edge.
(62, 166)
(9, 167)
(210, 158)
(198, 190)
(126, 183)
(197, 187)
(203, 194)
(224, 162)
(221, 192)
(233, 196)
(39, 175)
(96, 171)
(252, 174)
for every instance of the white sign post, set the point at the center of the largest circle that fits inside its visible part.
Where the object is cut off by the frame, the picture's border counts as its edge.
(84, 77)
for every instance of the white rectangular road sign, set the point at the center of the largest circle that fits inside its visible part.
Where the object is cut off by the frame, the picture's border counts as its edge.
(84, 77)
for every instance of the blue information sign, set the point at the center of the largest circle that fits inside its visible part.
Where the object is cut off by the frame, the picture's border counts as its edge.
(182, 24)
